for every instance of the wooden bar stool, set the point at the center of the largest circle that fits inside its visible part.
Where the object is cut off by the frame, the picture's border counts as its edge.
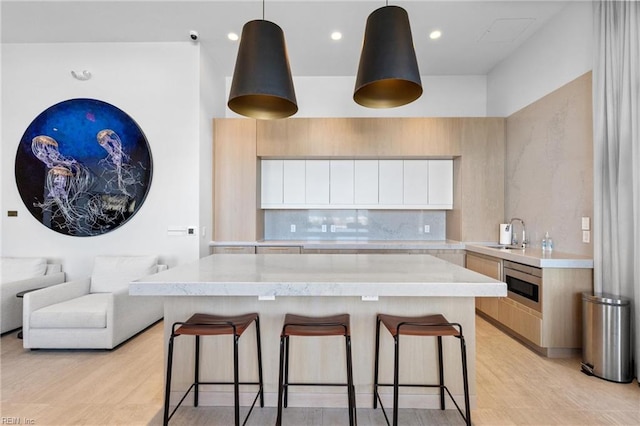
(215, 325)
(298, 325)
(428, 325)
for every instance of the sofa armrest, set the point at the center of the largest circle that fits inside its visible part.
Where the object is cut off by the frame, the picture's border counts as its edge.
(48, 296)
(12, 288)
(128, 314)
(35, 300)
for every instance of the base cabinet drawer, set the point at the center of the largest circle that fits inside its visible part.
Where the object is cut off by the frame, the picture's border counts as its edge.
(233, 250)
(488, 306)
(521, 319)
(278, 250)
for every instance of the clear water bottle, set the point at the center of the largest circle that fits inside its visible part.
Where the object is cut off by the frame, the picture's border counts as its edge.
(547, 242)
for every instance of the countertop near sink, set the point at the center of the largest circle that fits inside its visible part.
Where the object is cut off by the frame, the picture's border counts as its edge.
(351, 244)
(534, 256)
(530, 256)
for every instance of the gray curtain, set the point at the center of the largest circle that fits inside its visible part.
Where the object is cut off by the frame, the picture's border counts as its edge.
(616, 125)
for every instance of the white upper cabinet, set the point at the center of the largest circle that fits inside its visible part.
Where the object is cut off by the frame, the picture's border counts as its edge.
(366, 184)
(271, 182)
(294, 182)
(390, 182)
(341, 182)
(416, 182)
(441, 183)
(317, 182)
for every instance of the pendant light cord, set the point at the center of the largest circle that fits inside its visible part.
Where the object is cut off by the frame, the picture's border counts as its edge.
(263, 10)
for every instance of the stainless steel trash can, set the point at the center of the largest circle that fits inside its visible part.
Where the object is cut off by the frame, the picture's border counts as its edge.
(606, 345)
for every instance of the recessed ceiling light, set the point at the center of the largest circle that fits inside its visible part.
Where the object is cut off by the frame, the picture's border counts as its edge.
(232, 36)
(336, 35)
(435, 34)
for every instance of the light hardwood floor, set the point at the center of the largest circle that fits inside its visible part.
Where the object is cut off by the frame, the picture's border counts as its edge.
(125, 387)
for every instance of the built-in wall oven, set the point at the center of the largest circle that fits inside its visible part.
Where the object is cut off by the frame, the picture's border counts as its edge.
(524, 284)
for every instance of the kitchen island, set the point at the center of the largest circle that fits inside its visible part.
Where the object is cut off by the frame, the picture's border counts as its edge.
(322, 284)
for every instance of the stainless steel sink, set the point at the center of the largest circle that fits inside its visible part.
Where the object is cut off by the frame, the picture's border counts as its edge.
(503, 247)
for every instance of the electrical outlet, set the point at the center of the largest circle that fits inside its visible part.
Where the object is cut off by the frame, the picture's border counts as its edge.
(324, 228)
(333, 228)
(427, 229)
(191, 230)
(586, 225)
(293, 227)
(586, 236)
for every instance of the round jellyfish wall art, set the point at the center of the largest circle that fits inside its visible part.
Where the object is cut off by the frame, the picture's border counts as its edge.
(83, 167)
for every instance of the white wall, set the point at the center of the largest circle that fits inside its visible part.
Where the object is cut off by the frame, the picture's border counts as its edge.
(558, 53)
(443, 96)
(157, 84)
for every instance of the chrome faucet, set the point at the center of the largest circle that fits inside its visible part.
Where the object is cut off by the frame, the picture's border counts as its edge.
(514, 237)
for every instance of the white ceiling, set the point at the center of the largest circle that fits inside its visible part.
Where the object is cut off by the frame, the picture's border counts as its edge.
(477, 34)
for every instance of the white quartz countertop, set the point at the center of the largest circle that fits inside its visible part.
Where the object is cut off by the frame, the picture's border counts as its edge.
(534, 256)
(368, 275)
(348, 244)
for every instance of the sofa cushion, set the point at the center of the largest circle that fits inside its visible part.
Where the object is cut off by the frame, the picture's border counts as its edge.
(112, 273)
(89, 311)
(21, 268)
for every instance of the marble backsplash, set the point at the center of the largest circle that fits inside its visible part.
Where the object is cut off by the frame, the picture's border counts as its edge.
(549, 166)
(354, 225)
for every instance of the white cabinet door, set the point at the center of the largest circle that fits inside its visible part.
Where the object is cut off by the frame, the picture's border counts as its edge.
(317, 182)
(441, 183)
(416, 182)
(341, 182)
(366, 182)
(390, 182)
(294, 182)
(271, 182)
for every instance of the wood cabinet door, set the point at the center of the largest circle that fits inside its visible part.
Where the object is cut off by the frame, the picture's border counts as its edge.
(235, 180)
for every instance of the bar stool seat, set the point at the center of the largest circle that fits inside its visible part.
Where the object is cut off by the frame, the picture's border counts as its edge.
(215, 325)
(305, 326)
(435, 325)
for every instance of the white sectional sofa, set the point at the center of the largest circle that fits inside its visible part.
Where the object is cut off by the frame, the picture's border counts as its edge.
(95, 312)
(20, 274)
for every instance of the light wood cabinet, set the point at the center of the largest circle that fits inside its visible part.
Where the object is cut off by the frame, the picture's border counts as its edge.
(235, 183)
(478, 181)
(554, 332)
(233, 250)
(491, 267)
(521, 319)
(278, 250)
(359, 137)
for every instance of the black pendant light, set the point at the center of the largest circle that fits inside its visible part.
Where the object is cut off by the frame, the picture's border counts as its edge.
(388, 74)
(262, 86)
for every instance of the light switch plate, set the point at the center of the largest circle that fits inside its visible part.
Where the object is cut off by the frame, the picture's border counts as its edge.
(586, 224)
(586, 236)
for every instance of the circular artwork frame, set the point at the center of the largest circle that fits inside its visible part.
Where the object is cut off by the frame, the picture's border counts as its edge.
(83, 167)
